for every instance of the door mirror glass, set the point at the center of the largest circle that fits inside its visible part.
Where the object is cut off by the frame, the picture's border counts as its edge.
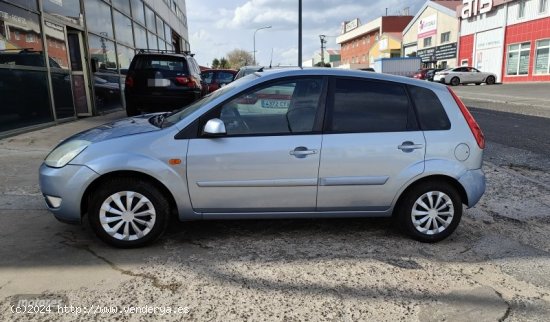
(214, 127)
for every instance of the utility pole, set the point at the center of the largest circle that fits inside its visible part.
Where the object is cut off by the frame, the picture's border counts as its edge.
(299, 33)
(323, 42)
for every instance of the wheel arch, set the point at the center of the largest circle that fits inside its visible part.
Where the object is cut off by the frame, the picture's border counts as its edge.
(433, 178)
(85, 201)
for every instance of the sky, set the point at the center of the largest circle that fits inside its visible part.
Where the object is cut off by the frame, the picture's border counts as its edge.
(217, 27)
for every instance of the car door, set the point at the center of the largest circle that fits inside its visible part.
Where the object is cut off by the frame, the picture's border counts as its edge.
(476, 76)
(371, 145)
(268, 161)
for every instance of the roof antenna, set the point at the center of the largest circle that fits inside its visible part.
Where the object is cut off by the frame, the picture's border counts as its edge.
(271, 59)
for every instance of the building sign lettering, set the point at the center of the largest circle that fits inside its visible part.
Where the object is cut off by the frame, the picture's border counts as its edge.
(350, 25)
(427, 26)
(473, 8)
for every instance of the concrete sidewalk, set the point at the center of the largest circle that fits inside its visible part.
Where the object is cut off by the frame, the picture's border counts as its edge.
(526, 98)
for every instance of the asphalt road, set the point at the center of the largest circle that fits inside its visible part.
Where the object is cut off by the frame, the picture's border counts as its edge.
(525, 132)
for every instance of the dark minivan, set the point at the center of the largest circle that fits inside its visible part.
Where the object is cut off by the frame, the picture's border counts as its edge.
(160, 81)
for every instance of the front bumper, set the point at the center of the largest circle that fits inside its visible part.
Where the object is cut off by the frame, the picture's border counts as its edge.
(68, 184)
(473, 182)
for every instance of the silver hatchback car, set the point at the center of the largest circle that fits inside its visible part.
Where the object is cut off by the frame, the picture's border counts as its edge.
(279, 144)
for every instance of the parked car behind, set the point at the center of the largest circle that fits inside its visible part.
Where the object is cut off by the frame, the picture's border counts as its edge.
(247, 70)
(216, 78)
(279, 144)
(464, 75)
(431, 73)
(422, 73)
(158, 81)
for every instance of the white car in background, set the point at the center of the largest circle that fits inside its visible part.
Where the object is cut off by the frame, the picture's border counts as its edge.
(464, 75)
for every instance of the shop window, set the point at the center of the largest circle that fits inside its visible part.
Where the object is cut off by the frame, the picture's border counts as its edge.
(123, 28)
(445, 37)
(542, 61)
(542, 6)
(521, 9)
(150, 19)
(66, 10)
(124, 5)
(137, 10)
(20, 40)
(98, 17)
(518, 59)
(428, 42)
(141, 36)
(106, 77)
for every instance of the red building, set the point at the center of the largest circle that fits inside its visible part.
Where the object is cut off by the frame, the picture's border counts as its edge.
(508, 38)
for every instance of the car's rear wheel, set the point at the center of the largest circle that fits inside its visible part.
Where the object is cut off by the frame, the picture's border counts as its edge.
(455, 81)
(490, 80)
(430, 211)
(478, 84)
(128, 213)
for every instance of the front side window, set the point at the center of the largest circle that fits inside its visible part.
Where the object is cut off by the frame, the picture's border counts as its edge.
(368, 106)
(225, 77)
(542, 61)
(518, 59)
(286, 107)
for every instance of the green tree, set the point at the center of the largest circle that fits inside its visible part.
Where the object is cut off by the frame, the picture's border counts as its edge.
(216, 63)
(224, 63)
(238, 58)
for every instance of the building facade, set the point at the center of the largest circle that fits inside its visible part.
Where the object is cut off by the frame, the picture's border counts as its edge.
(362, 44)
(62, 59)
(432, 34)
(510, 38)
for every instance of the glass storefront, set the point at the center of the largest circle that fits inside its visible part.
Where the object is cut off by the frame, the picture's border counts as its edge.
(69, 71)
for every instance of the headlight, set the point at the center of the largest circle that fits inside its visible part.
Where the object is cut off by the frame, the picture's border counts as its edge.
(64, 153)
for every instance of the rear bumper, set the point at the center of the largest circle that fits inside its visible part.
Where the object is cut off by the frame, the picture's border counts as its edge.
(473, 182)
(161, 103)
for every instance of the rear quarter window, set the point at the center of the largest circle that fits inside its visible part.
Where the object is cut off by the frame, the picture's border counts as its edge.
(431, 114)
(368, 106)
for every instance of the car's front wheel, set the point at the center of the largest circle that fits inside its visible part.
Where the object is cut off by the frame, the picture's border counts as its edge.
(455, 81)
(430, 211)
(128, 213)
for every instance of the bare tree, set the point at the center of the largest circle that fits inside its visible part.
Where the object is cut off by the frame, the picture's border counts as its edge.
(238, 58)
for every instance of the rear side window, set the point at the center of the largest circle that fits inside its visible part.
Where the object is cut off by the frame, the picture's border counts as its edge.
(367, 106)
(162, 63)
(431, 114)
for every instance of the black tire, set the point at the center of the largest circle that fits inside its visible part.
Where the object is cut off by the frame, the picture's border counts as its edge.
(455, 81)
(157, 200)
(407, 204)
(478, 84)
(490, 80)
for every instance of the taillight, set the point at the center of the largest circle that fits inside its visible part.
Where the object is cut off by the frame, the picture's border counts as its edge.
(188, 81)
(474, 127)
(129, 81)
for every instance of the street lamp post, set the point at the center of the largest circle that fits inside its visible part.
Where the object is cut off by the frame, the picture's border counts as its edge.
(266, 27)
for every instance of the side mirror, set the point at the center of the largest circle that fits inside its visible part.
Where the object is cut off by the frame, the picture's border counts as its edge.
(214, 127)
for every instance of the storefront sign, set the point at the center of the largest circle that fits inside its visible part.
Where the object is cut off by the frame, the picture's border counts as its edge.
(472, 8)
(447, 51)
(349, 26)
(427, 26)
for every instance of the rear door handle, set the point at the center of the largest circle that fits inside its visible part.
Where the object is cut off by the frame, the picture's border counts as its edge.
(302, 152)
(409, 146)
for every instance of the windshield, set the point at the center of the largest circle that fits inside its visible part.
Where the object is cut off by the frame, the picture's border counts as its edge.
(189, 109)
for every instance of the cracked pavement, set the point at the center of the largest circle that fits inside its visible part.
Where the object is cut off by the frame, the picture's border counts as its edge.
(495, 267)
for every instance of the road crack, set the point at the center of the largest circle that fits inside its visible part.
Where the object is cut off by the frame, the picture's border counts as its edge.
(508, 309)
(71, 240)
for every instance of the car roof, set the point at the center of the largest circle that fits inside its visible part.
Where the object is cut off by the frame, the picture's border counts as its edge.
(320, 71)
(218, 70)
